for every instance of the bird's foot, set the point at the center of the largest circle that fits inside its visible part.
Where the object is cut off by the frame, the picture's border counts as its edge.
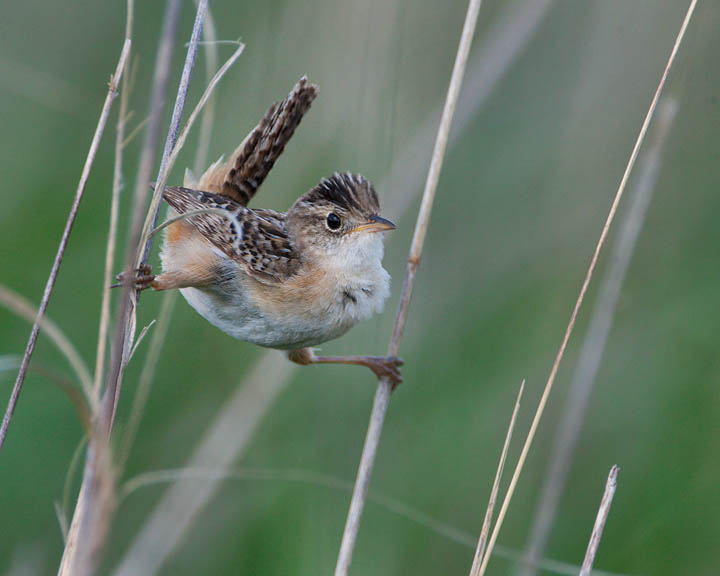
(141, 278)
(384, 367)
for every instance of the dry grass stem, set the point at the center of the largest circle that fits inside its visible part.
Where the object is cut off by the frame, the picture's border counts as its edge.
(20, 306)
(141, 245)
(482, 541)
(585, 284)
(114, 213)
(124, 331)
(495, 53)
(208, 119)
(595, 340)
(382, 396)
(166, 167)
(180, 142)
(600, 520)
(160, 78)
(171, 142)
(169, 298)
(50, 285)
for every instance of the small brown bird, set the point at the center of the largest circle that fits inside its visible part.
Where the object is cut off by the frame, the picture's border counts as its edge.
(281, 280)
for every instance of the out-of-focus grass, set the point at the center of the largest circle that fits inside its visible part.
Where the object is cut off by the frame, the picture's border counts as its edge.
(520, 204)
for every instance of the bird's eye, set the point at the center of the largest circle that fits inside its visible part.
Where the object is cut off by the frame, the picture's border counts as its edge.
(333, 221)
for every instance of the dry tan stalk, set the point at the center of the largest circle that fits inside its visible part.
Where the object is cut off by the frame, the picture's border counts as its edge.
(169, 298)
(600, 520)
(585, 284)
(114, 212)
(62, 246)
(208, 118)
(172, 158)
(482, 541)
(124, 328)
(161, 73)
(595, 340)
(384, 389)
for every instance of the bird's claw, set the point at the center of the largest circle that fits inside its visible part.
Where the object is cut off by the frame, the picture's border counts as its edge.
(386, 367)
(141, 278)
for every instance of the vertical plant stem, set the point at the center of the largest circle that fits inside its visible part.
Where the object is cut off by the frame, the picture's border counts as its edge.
(161, 75)
(594, 343)
(169, 298)
(50, 285)
(482, 541)
(585, 284)
(600, 520)
(384, 389)
(208, 118)
(126, 318)
(114, 212)
(69, 554)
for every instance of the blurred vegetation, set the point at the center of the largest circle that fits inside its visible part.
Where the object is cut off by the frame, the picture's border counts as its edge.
(523, 195)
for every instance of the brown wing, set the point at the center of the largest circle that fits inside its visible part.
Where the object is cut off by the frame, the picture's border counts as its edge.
(255, 239)
(255, 157)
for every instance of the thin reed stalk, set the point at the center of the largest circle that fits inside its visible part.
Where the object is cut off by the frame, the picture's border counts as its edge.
(384, 389)
(585, 284)
(596, 338)
(600, 520)
(62, 246)
(482, 541)
(138, 241)
(161, 75)
(100, 503)
(169, 298)
(114, 214)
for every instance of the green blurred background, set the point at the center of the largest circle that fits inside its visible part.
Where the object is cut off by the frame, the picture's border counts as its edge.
(537, 153)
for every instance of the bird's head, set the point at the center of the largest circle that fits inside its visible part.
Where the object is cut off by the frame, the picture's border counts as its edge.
(339, 219)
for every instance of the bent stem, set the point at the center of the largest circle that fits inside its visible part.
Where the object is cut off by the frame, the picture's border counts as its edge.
(384, 389)
(585, 284)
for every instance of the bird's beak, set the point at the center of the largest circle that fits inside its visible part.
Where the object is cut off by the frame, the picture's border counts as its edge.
(375, 224)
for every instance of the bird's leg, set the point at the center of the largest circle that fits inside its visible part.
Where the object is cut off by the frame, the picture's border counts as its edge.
(382, 366)
(143, 278)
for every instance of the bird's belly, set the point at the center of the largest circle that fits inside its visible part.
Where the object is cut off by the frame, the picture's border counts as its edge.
(306, 310)
(238, 317)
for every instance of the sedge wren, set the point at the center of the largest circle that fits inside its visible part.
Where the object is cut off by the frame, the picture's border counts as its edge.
(280, 280)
